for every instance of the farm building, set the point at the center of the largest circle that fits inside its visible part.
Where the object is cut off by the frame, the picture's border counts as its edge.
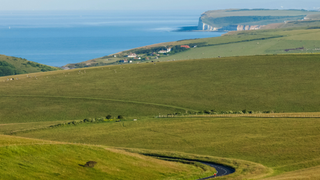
(132, 55)
(185, 46)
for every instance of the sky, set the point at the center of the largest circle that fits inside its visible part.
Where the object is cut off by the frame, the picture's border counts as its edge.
(198, 5)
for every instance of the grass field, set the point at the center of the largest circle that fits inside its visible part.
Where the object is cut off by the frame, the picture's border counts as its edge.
(256, 147)
(289, 35)
(36, 159)
(280, 83)
(282, 144)
(222, 18)
(21, 66)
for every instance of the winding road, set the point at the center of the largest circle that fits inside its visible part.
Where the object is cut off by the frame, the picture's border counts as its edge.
(221, 170)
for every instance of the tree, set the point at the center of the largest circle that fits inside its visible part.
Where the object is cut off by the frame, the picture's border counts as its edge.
(120, 117)
(109, 116)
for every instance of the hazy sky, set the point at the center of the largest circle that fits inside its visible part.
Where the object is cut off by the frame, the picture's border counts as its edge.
(154, 4)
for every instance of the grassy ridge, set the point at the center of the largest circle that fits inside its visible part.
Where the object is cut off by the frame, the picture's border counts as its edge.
(35, 159)
(280, 83)
(283, 144)
(14, 65)
(289, 35)
(220, 18)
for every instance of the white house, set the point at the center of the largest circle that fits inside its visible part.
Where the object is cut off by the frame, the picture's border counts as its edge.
(132, 55)
(164, 51)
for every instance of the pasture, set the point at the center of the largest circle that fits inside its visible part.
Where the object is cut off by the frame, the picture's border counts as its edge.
(274, 39)
(23, 158)
(258, 147)
(281, 144)
(282, 83)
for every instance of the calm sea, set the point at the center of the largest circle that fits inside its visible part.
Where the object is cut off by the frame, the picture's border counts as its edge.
(60, 37)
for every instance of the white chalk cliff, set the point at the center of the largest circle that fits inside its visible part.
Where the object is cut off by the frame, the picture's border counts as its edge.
(206, 27)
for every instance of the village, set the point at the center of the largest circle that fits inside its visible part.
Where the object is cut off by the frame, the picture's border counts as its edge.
(136, 57)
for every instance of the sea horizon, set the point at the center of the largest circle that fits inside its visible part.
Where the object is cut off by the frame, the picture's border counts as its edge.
(58, 38)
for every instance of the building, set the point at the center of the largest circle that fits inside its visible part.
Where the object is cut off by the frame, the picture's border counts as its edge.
(124, 61)
(132, 55)
(164, 51)
(185, 46)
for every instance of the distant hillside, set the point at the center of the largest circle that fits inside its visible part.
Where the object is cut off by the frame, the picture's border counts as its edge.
(286, 83)
(280, 38)
(13, 65)
(250, 19)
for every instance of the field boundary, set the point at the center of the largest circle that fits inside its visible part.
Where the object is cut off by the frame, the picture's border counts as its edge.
(102, 99)
(259, 115)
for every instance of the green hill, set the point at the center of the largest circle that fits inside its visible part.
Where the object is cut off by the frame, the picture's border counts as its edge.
(13, 65)
(236, 19)
(265, 146)
(23, 158)
(260, 83)
(284, 38)
(281, 144)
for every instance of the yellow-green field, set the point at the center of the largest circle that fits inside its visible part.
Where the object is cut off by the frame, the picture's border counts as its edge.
(281, 144)
(271, 146)
(22, 158)
(291, 35)
(282, 83)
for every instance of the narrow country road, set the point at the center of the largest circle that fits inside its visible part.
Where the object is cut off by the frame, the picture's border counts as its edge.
(221, 170)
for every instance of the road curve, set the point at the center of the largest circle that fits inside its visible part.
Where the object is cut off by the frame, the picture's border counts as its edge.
(221, 170)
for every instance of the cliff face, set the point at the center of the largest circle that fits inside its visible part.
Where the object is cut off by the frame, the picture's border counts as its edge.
(250, 19)
(206, 27)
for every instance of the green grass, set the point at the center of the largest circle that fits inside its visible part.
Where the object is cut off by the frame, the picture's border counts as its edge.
(35, 159)
(282, 144)
(242, 43)
(223, 18)
(281, 83)
(23, 66)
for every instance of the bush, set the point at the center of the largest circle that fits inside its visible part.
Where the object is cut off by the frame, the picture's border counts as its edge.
(120, 117)
(207, 111)
(109, 116)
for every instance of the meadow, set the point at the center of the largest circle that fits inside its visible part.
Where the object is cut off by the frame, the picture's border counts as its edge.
(282, 83)
(258, 147)
(13, 65)
(272, 39)
(23, 158)
(281, 144)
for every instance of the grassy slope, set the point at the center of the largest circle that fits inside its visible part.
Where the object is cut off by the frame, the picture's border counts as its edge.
(220, 17)
(283, 144)
(281, 83)
(305, 174)
(18, 63)
(271, 41)
(231, 45)
(62, 161)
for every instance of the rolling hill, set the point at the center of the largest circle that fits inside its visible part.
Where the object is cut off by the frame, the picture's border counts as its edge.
(250, 19)
(282, 83)
(283, 38)
(26, 158)
(49, 106)
(12, 65)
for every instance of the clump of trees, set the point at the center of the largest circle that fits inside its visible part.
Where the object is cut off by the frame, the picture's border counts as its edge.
(222, 112)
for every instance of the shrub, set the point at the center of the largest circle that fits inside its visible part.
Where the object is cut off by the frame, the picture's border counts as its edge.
(109, 116)
(120, 117)
(207, 111)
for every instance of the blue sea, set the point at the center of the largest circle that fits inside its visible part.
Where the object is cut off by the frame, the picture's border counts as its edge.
(57, 38)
